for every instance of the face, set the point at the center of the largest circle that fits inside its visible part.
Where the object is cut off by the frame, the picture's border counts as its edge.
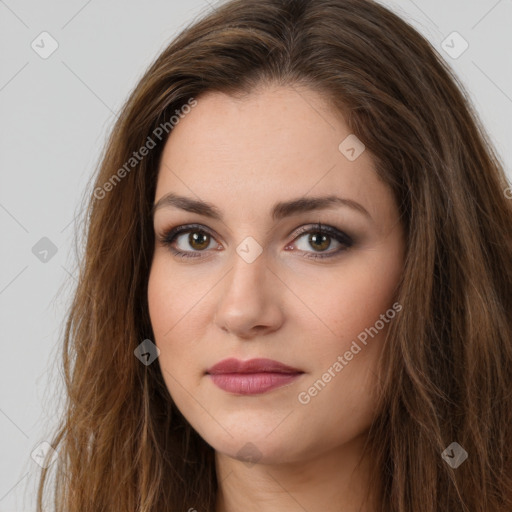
(265, 272)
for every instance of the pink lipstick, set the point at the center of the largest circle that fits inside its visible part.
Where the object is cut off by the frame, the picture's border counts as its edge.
(251, 377)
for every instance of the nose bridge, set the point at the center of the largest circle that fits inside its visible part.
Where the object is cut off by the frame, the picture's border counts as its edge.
(249, 267)
(245, 299)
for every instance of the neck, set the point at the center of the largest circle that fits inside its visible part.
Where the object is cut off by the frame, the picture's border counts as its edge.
(334, 481)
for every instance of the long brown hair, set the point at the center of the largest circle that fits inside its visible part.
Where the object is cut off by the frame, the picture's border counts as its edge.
(446, 371)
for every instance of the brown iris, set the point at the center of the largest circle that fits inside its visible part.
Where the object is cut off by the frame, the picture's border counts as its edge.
(199, 240)
(319, 241)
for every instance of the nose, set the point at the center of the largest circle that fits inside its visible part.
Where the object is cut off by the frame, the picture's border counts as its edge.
(249, 299)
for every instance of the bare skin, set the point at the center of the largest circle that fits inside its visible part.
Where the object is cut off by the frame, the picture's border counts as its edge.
(289, 448)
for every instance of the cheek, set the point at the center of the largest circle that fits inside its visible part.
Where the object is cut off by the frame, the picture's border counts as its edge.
(176, 327)
(177, 317)
(173, 299)
(165, 313)
(342, 307)
(160, 293)
(355, 312)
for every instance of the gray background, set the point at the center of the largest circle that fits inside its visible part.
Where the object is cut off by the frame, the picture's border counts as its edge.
(55, 115)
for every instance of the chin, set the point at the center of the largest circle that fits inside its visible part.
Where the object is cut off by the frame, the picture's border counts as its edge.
(254, 445)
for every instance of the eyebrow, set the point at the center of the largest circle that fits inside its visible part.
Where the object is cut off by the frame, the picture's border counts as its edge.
(279, 211)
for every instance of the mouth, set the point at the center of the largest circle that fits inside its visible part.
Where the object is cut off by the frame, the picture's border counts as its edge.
(254, 376)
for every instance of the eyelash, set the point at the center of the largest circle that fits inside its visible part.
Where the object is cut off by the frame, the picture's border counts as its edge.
(168, 238)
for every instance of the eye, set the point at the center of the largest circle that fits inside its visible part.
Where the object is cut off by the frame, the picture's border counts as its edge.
(192, 235)
(189, 241)
(321, 238)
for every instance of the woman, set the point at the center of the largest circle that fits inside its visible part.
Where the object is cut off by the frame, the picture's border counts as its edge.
(296, 292)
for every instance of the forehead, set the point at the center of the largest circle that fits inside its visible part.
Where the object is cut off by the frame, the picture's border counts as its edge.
(272, 144)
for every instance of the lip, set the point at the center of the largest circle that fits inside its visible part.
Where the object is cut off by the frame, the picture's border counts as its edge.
(260, 365)
(250, 377)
